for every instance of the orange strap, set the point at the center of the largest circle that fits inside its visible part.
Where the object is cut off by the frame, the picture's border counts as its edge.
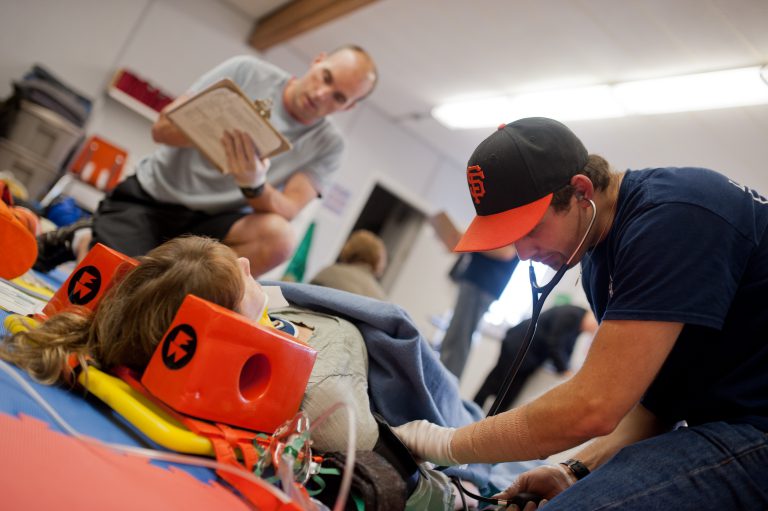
(227, 442)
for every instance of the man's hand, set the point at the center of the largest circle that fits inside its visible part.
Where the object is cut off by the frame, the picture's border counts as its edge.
(427, 441)
(243, 161)
(546, 481)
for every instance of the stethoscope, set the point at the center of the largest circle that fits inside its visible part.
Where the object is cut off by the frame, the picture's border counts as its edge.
(539, 295)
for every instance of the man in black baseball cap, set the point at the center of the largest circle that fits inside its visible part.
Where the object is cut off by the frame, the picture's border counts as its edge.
(511, 177)
(526, 169)
(675, 267)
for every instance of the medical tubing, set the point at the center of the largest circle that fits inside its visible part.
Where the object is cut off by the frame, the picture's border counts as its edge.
(285, 472)
(519, 500)
(462, 491)
(130, 450)
(584, 238)
(349, 464)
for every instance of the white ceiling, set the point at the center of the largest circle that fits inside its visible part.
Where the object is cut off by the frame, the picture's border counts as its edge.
(256, 8)
(430, 51)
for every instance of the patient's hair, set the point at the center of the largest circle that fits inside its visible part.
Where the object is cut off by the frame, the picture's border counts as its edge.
(134, 313)
(365, 247)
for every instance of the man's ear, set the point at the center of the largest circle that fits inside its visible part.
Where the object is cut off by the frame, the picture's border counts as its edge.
(320, 57)
(583, 188)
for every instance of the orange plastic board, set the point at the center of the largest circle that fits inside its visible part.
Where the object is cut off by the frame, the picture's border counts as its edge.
(17, 243)
(47, 470)
(90, 280)
(217, 365)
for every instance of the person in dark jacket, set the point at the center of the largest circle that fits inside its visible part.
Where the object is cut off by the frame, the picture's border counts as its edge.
(556, 335)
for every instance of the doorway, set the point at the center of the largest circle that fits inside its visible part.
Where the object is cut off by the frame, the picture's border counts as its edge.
(396, 222)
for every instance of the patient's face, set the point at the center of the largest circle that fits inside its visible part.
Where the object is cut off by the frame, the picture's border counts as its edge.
(254, 299)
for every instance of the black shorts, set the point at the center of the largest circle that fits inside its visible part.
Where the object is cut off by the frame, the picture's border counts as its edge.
(133, 223)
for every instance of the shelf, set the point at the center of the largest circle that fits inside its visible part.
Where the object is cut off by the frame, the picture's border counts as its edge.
(132, 103)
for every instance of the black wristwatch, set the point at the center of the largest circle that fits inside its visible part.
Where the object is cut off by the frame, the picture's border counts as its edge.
(252, 192)
(579, 469)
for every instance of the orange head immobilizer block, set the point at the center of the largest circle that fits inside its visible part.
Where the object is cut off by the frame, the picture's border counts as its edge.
(217, 365)
(90, 280)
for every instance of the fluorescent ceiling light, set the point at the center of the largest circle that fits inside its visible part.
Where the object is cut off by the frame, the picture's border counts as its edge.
(584, 103)
(704, 91)
(478, 113)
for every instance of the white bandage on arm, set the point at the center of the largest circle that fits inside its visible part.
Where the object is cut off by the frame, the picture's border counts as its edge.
(503, 437)
(427, 441)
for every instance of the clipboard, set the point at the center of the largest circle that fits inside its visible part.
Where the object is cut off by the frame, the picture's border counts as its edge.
(204, 117)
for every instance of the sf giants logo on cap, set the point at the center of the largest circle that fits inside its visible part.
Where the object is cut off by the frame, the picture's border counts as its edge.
(475, 178)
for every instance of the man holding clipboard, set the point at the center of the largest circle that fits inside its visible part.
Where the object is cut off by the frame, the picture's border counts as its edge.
(245, 200)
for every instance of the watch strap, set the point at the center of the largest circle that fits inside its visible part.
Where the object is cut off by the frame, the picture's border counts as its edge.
(252, 192)
(577, 468)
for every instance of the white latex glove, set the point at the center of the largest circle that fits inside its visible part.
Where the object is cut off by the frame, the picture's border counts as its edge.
(243, 161)
(427, 441)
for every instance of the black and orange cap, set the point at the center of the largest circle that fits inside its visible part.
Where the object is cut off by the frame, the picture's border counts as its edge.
(512, 175)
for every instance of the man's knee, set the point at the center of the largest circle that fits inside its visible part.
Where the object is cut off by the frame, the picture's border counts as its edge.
(266, 240)
(277, 237)
(280, 246)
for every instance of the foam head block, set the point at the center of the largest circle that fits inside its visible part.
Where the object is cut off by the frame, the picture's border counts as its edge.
(18, 244)
(217, 365)
(90, 280)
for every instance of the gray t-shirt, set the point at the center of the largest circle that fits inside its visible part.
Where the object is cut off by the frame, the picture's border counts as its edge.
(184, 176)
(340, 373)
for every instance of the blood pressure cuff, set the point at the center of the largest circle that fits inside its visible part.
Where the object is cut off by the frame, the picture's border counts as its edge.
(392, 449)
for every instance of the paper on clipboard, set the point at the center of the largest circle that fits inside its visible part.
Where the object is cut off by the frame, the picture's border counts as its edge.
(224, 107)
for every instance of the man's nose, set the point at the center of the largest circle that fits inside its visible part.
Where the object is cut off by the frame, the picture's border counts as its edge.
(525, 249)
(324, 93)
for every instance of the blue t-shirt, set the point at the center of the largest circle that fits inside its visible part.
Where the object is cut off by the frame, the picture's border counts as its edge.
(689, 245)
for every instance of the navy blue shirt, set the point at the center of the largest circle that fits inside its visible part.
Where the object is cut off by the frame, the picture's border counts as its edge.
(489, 274)
(689, 245)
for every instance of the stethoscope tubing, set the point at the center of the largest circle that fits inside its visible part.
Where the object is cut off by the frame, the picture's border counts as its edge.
(539, 295)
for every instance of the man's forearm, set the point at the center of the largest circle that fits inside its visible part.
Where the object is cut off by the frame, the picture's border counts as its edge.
(637, 425)
(297, 193)
(272, 200)
(165, 132)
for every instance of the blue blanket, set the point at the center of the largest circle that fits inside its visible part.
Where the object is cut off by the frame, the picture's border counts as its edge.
(406, 379)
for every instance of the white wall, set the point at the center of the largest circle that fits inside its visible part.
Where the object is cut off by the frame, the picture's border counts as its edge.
(83, 42)
(170, 43)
